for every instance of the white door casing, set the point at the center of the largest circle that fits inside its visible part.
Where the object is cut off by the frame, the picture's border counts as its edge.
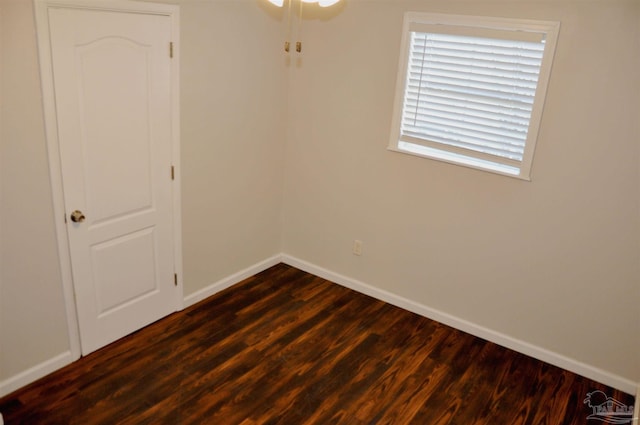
(110, 91)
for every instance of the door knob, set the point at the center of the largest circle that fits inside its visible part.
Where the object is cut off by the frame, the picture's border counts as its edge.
(77, 216)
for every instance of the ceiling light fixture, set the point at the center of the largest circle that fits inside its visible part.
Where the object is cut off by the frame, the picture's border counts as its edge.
(280, 3)
(321, 3)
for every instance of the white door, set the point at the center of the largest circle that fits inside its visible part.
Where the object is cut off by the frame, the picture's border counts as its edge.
(112, 84)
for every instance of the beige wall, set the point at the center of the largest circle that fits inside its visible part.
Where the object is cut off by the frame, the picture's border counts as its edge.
(233, 116)
(233, 125)
(554, 262)
(33, 325)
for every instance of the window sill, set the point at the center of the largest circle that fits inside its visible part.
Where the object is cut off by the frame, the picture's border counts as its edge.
(457, 159)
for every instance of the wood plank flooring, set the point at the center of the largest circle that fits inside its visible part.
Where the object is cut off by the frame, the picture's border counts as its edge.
(286, 347)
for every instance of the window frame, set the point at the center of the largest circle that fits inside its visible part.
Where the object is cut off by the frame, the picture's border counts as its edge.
(480, 25)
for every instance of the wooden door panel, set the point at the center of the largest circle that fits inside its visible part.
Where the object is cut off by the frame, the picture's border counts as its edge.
(112, 78)
(134, 252)
(114, 82)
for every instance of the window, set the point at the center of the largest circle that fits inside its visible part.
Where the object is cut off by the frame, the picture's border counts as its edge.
(470, 90)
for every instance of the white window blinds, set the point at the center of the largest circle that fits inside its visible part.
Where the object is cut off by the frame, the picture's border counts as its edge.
(469, 94)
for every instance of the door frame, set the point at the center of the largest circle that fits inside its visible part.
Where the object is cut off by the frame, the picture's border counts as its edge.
(41, 8)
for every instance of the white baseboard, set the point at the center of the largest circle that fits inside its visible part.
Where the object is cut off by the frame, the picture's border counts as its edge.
(33, 374)
(30, 375)
(228, 281)
(520, 346)
(636, 408)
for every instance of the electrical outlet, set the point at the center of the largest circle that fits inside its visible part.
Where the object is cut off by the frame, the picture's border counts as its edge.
(357, 247)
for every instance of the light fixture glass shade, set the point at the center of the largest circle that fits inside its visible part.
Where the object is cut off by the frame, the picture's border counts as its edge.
(321, 3)
(327, 3)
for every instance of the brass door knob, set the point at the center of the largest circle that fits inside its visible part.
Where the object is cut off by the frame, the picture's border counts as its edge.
(77, 216)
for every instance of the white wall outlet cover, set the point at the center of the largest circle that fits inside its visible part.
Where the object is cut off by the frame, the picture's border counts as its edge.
(357, 247)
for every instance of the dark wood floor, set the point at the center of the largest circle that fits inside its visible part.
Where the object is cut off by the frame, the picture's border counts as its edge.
(286, 347)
